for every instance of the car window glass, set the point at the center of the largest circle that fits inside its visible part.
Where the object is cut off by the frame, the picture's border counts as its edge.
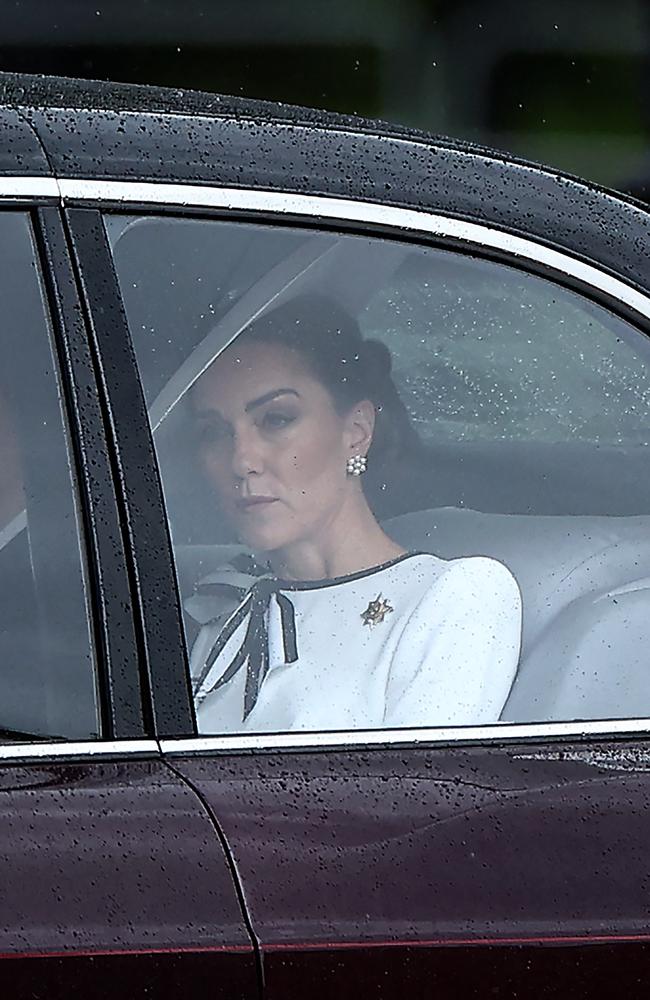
(47, 680)
(440, 513)
(502, 359)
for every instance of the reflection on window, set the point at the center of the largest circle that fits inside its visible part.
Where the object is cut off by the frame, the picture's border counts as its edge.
(405, 487)
(526, 365)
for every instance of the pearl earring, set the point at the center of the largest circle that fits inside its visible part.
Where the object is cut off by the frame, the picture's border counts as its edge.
(356, 465)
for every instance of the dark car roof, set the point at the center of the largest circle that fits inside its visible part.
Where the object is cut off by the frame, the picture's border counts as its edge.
(87, 129)
(23, 90)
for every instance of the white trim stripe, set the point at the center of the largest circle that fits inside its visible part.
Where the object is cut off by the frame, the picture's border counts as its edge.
(29, 187)
(333, 209)
(88, 748)
(318, 207)
(360, 739)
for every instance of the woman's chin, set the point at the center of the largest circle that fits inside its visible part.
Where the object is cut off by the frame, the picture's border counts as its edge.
(259, 538)
(269, 529)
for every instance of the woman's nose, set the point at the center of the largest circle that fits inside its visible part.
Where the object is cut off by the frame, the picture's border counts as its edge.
(246, 454)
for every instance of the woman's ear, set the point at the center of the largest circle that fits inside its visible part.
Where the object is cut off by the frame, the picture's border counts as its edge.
(359, 427)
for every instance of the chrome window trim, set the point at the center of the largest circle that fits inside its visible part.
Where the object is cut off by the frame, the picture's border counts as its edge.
(29, 187)
(89, 749)
(120, 193)
(363, 739)
(340, 209)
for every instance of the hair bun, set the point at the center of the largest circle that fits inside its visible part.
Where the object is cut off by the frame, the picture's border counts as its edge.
(377, 359)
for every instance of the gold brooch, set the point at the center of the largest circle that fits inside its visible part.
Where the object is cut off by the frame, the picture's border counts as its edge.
(376, 611)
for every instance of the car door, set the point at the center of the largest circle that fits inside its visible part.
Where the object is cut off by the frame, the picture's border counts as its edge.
(506, 859)
(114, 879)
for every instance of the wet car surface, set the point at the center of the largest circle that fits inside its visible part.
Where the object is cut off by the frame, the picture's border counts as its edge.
(143, 858)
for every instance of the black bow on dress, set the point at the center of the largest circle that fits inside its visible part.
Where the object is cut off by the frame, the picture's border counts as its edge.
(254, 650)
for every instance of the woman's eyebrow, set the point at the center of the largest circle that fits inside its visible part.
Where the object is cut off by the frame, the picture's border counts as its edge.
(208, 413)
(212, 412)
(268, 396)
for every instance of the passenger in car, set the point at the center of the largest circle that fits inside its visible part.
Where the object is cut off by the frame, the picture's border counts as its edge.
(343, 629)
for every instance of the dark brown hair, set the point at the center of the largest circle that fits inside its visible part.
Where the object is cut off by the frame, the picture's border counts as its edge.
(329, 341)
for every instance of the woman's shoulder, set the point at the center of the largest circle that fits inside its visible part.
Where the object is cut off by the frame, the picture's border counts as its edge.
(475, 581)
(466, 575)
(478, 565)
(427, 564)
(416, 576)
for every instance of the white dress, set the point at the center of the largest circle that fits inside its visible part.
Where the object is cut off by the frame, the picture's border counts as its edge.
(418, 641)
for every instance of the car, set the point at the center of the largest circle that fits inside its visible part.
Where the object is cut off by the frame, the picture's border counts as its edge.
(141, 230)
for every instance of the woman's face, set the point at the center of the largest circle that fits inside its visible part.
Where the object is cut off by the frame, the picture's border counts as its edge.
(274, 446)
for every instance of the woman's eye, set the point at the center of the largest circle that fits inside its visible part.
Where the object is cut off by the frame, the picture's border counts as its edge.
(211, 433)
(276, 420)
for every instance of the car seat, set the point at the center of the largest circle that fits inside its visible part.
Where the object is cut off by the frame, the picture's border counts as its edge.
(585, 583)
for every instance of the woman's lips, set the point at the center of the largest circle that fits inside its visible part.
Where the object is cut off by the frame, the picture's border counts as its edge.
(252, 503)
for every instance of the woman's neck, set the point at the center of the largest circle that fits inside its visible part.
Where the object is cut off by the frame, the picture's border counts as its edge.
(352, 542)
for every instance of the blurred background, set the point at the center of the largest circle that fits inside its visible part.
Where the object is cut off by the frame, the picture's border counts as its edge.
(564, 82)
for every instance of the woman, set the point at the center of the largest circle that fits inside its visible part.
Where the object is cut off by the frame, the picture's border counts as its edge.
(345, 629)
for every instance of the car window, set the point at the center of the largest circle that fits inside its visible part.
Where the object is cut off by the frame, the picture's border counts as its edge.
(47, 679)
(480, 556)
(510, 361)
